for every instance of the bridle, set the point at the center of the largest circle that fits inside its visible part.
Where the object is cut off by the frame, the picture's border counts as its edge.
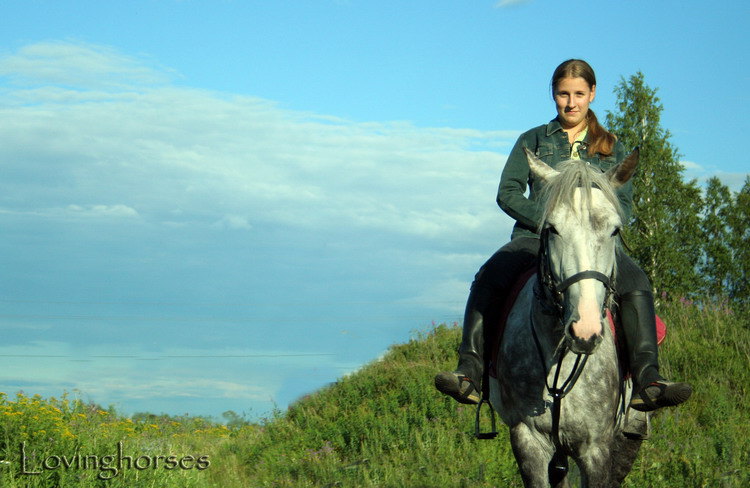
(549, 294)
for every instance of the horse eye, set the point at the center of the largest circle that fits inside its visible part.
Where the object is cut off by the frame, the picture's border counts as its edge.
(616, 232)
(552, 230)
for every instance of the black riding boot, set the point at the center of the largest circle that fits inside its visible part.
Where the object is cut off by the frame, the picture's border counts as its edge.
(650, 389)
(465, 383)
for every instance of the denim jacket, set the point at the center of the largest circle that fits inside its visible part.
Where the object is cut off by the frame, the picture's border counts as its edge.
(550, 143)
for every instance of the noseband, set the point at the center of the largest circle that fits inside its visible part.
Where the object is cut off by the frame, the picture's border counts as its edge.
(550, 293)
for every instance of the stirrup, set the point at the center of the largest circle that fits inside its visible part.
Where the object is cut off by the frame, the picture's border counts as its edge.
(477, 431)
(637, 425)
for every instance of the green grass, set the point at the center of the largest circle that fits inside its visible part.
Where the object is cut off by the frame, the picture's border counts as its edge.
(386, 426)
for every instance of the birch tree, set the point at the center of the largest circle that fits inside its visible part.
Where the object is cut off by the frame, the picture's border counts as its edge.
(664, 232)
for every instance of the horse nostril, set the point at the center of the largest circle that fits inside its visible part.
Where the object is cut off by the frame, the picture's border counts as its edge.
(583, 336)
(584, 346)
(584, 324)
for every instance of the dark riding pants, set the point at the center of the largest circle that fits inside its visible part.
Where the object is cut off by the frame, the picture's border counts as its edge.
(500, 272)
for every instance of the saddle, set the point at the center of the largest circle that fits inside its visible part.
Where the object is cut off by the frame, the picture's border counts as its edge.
(497, 327)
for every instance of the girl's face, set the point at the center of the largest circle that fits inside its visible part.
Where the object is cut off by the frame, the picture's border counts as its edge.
(572, 98)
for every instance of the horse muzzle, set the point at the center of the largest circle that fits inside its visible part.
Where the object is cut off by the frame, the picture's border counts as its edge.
(581, 344)
(584, 346)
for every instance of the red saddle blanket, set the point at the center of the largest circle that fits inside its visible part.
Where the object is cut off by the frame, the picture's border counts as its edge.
(496, 334)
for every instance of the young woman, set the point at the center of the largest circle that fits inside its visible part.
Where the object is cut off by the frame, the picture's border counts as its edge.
(574, 134)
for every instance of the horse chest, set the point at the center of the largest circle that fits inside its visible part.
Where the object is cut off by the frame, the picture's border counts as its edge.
(523, 388)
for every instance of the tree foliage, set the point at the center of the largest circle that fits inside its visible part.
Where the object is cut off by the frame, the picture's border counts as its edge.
(691, 242)
(664, 233)
(716, 264)
(738, 223)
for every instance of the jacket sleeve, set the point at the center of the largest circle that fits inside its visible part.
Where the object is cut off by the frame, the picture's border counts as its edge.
(513, 184)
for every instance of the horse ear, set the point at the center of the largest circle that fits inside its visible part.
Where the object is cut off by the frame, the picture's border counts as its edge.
(539, 167)
(620, 174)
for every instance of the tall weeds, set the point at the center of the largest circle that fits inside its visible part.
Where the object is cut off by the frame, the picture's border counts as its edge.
(386, 426)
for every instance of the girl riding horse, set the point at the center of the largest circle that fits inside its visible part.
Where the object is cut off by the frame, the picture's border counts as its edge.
(574, 134)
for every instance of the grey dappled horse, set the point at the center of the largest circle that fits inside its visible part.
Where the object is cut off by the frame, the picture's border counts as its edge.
(557, 342)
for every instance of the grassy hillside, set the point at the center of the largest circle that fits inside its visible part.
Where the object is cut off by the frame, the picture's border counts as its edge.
(386, 426)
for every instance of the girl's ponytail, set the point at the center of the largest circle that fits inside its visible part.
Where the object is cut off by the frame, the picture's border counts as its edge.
(600, 140)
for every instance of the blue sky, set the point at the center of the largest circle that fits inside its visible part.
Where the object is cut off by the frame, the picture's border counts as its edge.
(226, 205)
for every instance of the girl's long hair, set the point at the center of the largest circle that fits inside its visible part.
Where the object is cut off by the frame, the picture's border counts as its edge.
(600, 140)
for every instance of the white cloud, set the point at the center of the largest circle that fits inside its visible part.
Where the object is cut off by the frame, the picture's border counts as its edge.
(166, 387)
(691, 166)
(75, 211)
(510, 3)
(59, 365)
(117, 210)
(236, 222)
(77, 64)
(734, 181)
(165, 150)
(447, 296)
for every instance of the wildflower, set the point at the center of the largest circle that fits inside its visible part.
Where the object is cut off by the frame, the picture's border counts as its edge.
(323, 451)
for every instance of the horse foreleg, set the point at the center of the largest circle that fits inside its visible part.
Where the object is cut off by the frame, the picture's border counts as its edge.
(533, 455)
(624, 455)
(596, 465)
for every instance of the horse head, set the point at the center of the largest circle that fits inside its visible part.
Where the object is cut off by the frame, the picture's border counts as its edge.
(580, 225)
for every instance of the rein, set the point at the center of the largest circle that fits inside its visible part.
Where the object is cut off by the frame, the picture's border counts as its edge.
(558, 392)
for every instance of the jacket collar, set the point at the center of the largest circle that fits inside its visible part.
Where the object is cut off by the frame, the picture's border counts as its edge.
(553, 126)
